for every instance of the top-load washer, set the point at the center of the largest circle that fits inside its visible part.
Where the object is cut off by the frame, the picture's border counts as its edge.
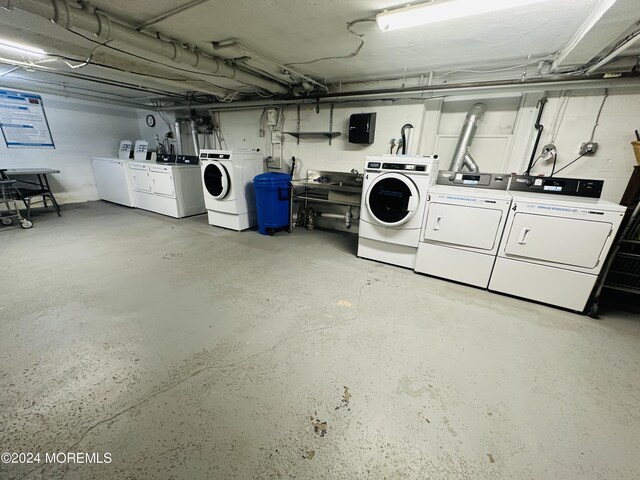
(227, 180)
(393, 200)
(464, 221)
(169, 186)
(556, 239)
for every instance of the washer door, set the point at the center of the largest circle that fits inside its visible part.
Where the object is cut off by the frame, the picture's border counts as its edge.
(392, 199)
(216, 180)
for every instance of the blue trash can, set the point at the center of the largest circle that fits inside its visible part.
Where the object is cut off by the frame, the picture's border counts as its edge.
(272, 201)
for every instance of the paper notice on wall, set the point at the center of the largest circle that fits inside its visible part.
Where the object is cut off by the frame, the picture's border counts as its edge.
(23, 121)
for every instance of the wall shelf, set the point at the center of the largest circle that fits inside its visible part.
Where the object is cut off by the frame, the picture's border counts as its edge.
(314, 134)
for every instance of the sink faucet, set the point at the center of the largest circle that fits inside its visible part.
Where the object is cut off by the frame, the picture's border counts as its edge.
(358, 175)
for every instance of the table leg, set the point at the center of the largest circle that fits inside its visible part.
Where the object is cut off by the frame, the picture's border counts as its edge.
(53, 199)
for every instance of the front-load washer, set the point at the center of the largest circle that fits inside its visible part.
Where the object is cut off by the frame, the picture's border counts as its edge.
(464, 221)
(556, 239)
(393, 201)
(227, 180)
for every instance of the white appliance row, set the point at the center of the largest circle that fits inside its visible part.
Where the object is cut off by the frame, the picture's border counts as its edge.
(219, 182)
(172, 189)
(543, 239)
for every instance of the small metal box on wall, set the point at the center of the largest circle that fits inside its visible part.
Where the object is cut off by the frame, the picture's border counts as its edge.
(362, 128)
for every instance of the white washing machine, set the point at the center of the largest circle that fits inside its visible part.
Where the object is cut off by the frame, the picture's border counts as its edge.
(171, 186)
(393, 201)
(227, 180)
(464, 221)
(556, 239)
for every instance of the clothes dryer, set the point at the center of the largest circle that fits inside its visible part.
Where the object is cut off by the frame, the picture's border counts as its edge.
(464, 222)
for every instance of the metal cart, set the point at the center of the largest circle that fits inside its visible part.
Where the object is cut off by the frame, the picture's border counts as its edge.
(622, 270)
(8, 196)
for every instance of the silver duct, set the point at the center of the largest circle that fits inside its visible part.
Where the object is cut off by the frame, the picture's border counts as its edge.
(461, 156)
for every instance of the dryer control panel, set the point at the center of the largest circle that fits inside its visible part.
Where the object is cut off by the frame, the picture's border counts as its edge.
(576, 187)
(492, 181)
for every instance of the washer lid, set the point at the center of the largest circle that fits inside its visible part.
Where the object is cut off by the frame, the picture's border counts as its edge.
(216, 179)
(392, 199)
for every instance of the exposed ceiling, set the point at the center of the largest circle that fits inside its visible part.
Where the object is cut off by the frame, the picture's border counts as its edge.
(227, 50)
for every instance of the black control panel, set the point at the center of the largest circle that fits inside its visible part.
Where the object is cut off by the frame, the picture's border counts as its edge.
(493, 181)
(166, 159)
(576, 187)
(187, 160)
(218, 156)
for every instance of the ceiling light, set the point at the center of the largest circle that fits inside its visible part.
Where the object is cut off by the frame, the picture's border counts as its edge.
(442, 10)
(21, 48)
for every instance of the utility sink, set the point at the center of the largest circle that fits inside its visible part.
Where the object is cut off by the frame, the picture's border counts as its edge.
(338, 181)
(333, 187)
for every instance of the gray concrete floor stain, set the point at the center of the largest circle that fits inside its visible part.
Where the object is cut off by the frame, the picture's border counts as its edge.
(188, 351)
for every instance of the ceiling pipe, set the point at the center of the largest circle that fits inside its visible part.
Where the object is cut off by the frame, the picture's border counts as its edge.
(238, 44)
(428, 92)
(106, 29)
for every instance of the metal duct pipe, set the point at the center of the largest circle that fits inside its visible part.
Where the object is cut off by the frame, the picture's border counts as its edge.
(194, 137)
(461, 156)
(105, 29)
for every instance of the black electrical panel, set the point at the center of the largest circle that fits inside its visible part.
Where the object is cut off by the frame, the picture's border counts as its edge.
(362, 128)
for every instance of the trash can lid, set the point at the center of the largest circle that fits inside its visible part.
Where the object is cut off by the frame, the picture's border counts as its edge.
(272, 178)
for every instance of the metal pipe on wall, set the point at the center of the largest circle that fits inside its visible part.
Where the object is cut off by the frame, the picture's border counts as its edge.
(106, 29)
(429, 92)
(461, 156)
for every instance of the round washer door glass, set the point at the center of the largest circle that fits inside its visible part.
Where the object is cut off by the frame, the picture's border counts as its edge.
(392, 199)
(216, 180)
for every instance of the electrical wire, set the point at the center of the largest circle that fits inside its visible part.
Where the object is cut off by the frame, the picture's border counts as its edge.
(559, 116)
(604, 99)
(338, 57)
(568, 164)
(497, 70)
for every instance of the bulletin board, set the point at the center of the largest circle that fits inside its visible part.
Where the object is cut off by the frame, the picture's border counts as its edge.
(23, 121)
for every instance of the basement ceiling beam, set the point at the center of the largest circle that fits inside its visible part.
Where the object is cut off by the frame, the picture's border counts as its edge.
(608, 21)
(107, 29)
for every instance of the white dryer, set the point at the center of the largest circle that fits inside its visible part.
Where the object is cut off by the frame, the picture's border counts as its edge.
(393, 202)
(227, 180)
(464, 222)
(556, 239)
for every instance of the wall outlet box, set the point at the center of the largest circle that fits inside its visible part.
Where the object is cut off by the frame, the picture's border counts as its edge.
(272, 116)
(276, 137)
(588, 148)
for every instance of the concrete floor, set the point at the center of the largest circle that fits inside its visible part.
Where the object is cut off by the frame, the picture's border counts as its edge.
(188, 351)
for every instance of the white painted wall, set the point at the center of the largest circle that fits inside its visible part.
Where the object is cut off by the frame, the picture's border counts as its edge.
(83, 129)
(504, 138)
(80, 130)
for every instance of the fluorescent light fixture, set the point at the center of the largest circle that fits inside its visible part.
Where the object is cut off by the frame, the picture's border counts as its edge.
(21, 48)
(443, 10)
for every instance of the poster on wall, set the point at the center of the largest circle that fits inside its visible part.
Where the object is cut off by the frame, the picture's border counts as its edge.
(23, 121)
